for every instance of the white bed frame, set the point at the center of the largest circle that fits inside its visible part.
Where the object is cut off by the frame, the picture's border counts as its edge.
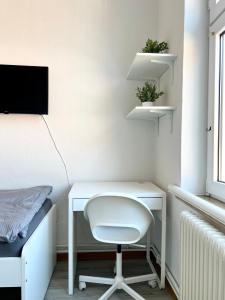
(33, 270)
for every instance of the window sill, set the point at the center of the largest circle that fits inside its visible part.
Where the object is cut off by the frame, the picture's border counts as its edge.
(213, 200)
(211, 207)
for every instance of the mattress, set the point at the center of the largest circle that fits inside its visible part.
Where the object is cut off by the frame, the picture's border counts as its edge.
(15, 249)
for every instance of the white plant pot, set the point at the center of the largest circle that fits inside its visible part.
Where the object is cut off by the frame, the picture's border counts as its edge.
(148, 103)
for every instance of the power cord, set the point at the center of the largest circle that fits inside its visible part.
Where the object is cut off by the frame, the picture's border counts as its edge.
(57, 150)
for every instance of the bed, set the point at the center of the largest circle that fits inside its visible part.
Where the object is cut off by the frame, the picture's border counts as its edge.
(18, 260)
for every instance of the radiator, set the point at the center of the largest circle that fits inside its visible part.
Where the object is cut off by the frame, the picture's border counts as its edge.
(202, 260)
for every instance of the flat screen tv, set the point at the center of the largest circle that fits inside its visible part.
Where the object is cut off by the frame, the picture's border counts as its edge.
(23, 89)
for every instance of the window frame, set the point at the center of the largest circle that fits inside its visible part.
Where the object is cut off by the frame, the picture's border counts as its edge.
(213, 186)
(221, 103)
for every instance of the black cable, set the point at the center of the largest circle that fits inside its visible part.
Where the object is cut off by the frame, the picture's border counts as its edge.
(57, 150)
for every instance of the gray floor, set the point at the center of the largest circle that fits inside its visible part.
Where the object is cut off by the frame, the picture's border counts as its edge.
(58, 285)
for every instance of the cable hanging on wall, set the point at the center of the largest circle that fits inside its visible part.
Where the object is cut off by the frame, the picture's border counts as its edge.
(57, 150)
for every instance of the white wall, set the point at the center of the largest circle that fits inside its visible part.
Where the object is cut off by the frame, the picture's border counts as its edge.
(167, 145)
(167, 166)
(88, 46)
(195, 97)
(180, 156)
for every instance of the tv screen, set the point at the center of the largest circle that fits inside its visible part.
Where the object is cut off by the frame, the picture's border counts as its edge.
(23, 89)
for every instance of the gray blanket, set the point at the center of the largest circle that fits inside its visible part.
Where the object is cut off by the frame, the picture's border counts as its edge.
(17, 209)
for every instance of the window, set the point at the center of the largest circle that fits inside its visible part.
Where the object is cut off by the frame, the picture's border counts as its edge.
(216, 108)
(216, 8)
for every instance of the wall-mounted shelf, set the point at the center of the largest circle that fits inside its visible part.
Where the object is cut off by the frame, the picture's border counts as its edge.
(147, 66)
(152, 113)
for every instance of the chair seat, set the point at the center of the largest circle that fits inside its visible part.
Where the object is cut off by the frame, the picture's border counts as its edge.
(116, 234)
(117, 219)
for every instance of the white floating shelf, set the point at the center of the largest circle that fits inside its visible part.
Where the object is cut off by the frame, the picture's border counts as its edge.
(150, 65)
(152, 113)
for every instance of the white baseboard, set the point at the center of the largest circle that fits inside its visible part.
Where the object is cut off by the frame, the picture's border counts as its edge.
(172, 281)
(61, 249)
(94, 248)
(87, 248)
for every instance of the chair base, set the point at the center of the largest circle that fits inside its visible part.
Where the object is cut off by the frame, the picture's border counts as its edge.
(119, 282)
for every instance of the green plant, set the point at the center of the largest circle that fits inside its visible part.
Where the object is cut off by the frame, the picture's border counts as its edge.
(155, 47)
(148, 93)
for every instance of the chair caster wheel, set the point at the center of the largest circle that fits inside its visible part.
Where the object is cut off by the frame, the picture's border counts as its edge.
(82, 285)
(153, 283)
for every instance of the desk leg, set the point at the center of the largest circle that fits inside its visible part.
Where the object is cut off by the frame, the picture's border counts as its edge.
(163, 245)
(71, 248)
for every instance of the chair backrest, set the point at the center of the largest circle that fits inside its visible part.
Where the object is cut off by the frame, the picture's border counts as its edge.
(118, 218)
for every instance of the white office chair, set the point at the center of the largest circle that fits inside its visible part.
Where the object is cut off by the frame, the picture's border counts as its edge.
(117, 219)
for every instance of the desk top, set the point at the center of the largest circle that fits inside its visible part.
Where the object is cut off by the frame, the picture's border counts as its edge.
(87, 190)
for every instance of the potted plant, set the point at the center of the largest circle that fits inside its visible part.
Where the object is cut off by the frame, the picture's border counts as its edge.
(155, 47)
(148, 94)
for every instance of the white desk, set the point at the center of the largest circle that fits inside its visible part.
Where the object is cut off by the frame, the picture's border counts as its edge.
(81, 192)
